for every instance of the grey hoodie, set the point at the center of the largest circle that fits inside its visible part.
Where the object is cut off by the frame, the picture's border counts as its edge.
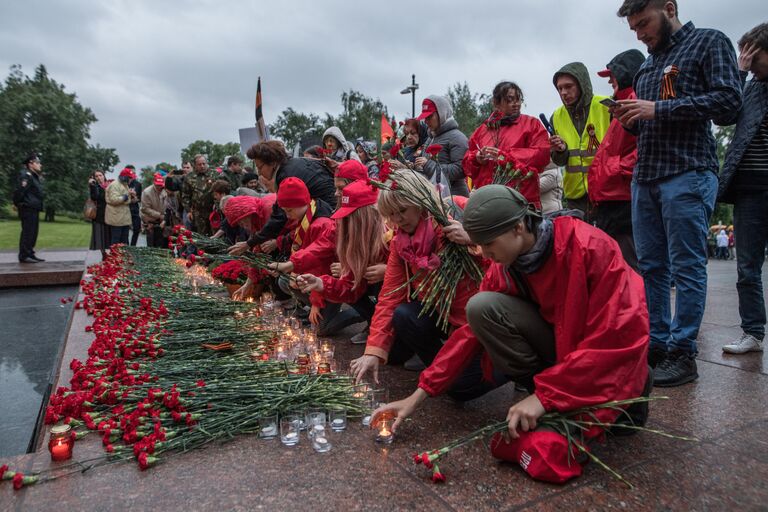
(346, 150)
(454, 144)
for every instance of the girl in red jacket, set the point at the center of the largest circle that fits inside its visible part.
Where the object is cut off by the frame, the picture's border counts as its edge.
(508, 137)
(397, 329)
(362, 246)
(559, 312)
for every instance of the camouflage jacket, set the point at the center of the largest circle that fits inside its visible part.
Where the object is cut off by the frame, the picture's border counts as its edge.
(196, 193)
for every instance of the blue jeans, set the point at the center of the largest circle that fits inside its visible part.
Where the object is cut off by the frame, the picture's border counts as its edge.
(670, 220)
(750, 222)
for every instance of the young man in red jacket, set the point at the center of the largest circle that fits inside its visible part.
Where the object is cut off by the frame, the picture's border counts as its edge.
(610, 175)
(560, 312)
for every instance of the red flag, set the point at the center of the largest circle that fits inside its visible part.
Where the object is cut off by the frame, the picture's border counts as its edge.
(386, 130)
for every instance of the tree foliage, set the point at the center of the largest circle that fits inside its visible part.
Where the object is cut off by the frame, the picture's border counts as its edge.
(215, 152)
(723, 135)
(469, 109)
(37, 114)
(360, 118)
(290, 126)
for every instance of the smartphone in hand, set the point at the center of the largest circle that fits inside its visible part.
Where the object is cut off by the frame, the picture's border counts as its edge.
(609, 102)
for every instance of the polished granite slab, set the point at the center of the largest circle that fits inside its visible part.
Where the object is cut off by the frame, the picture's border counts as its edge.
(726, 409)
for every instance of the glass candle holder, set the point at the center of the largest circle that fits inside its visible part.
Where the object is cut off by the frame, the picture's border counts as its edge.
(383, 428)
(290, 428)
(61, 442)
(337, 418)
(315, 417)
(268, 427)
(319, 438)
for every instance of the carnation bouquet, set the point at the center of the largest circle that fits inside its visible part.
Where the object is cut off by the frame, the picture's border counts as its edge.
(438, 287)
(231, 272)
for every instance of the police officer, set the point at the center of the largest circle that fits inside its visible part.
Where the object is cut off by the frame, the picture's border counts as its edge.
(196, 195)
(28, 198)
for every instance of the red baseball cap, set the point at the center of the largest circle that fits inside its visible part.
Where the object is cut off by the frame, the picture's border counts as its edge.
(356, 195)
(292, 193)
(352, 170)
(159, 180)
(604, 73)
(127, 172)
(428, 108)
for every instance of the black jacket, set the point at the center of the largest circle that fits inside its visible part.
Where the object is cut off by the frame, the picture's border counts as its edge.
(135, 207)
(29, 191)
(99, 196)
(753, 109)
(317, 179)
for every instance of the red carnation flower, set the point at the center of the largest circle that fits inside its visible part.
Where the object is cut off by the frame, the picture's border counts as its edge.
(200, 383)
(385, 169)
(434, 149)
(394, 150)
(3, 469)
(200, 252)
(437, 476)
(18, 481)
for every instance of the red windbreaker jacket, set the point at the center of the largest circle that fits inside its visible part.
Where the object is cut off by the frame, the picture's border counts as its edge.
(524, 143)
(610, 175)
(596, 305)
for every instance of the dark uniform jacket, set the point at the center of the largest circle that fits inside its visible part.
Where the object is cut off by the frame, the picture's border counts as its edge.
(29, 191)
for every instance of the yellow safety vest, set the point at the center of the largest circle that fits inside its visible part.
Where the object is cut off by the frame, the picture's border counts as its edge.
(581, 151)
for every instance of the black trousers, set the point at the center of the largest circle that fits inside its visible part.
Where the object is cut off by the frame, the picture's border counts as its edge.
(135, 227)
(155, 237)
(30, 225)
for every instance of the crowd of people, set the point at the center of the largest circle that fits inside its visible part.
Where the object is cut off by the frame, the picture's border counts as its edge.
(574, 306)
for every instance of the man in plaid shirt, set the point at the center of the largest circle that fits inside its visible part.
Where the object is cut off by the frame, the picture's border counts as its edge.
(690, 79)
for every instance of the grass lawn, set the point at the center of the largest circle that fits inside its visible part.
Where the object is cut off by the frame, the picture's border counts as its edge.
(64, 233)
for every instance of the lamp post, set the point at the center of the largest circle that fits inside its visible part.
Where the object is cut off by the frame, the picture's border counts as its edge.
(411, 89)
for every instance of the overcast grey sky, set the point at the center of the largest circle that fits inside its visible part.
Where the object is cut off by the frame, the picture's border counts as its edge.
(160, 74)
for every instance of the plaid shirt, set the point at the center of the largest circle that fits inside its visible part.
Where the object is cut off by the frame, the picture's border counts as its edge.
(707, 88)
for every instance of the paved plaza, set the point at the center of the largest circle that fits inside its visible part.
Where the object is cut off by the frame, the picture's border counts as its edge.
(726, 409)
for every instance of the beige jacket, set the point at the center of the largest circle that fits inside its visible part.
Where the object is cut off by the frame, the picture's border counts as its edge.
(152, 209)
(118, 213)
(551, 189)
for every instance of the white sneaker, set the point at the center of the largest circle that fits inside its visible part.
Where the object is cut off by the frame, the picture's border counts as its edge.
(747, 343)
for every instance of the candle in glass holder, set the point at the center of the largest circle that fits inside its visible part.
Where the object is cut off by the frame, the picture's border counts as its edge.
(323, 368)
(61, 442)
(384, 433)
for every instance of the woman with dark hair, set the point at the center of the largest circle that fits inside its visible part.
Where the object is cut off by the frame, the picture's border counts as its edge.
(100, 233)
(274, 166)
(508, 138)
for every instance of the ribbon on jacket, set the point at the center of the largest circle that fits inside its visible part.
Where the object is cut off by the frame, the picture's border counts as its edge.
(668, 82)
(300, 233)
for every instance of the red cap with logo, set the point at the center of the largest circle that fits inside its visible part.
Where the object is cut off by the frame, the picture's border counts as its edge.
(356, 195)
(159, 180)
(604, 73)
(352, 170)
(428, 108)
(127, 172)
(293, 193)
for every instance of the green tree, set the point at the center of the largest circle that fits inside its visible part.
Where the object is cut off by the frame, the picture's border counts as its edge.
(215, 152)
(360, 117)
(290, 126)
(146, 175)
(723, 135)
(37, 114)
(469, 109)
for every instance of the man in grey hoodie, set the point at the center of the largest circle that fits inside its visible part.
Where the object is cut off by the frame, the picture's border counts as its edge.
(437, 113)
(335, 142)
(580, 125)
